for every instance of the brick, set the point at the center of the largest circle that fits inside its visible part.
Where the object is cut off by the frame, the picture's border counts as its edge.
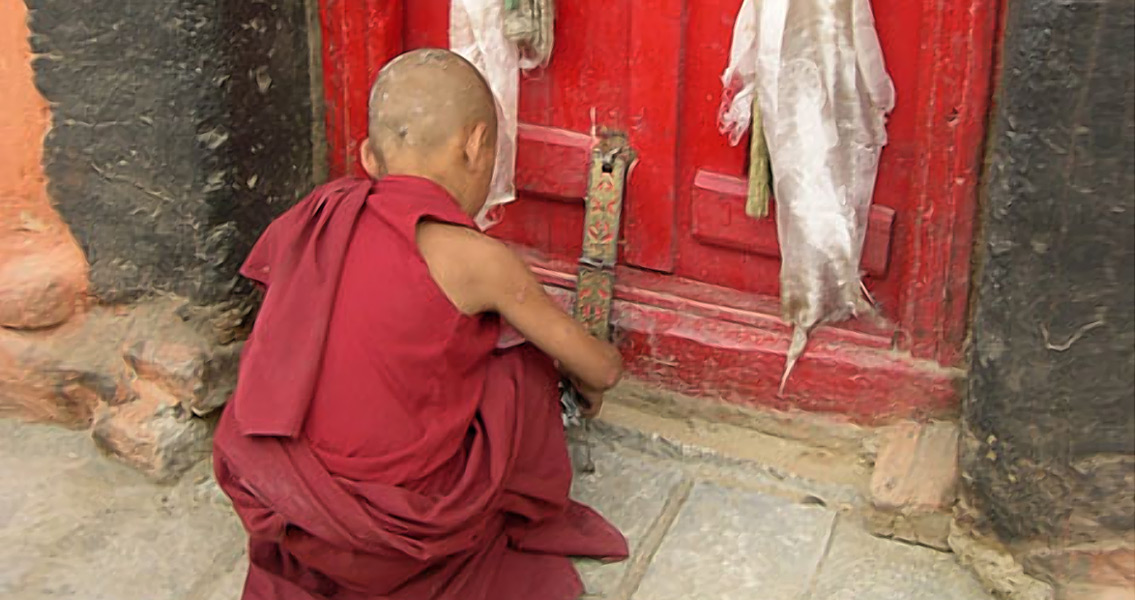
(915, 483)
(917, 467)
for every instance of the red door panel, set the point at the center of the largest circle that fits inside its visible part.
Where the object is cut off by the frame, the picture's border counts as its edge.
(717, 242)
(614, 66)
(583, 87)
(651, 69)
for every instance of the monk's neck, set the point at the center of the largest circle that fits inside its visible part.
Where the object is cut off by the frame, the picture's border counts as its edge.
(455, 190)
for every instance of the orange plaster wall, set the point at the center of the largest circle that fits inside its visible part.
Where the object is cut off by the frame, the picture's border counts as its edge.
(43, 274)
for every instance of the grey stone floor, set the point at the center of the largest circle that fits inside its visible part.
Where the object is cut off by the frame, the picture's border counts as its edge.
(74, 525)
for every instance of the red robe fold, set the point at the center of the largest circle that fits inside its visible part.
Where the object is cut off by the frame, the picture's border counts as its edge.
(379, 445)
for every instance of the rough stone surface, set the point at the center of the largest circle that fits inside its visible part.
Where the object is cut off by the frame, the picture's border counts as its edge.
(1050, 445)
(42, 270)
(61, 376)
(1049, 442)
(1103, 566)
(931, 529)
(178, 132)
(182, 363)
(231, 584)
(859, 566)
(153, 433)
(730, 545)
(65, 374)
(40, 286)
(993, 563)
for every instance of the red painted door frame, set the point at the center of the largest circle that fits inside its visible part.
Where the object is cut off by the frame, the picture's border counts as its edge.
(713, 341)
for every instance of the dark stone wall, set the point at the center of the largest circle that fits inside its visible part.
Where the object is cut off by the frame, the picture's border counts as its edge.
(1051, 403)
(180, 128)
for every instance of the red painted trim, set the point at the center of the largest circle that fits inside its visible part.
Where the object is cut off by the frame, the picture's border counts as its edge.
(959, 59)
(707, 357)
(709, 301)
(655, 65)
(719, 219)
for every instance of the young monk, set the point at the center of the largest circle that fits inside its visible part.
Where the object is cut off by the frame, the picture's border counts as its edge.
(379, 445)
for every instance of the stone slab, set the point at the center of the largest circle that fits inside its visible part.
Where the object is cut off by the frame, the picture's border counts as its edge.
(87, 528)
(630, 491)
(738, 545)
(230, 586)
(859, 566)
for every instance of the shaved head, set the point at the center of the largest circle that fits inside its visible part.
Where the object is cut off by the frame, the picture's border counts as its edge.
(425, 98)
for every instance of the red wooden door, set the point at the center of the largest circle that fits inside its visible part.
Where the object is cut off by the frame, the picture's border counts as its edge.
(653, 70)
(699, 286)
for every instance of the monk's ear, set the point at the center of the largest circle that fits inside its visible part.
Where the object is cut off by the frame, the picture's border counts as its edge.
(480, 146)
(372, 160)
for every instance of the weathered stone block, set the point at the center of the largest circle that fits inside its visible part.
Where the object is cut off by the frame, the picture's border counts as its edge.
(178, 132)
(62, 375)
(632, 492)
(39, 286)
(737, 545)
(153, 433)
(861, 567)
(177, 368)
(915, 482)
(183, 364)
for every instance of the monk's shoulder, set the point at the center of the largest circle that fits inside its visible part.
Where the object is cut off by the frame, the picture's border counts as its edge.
(454, 241)
(471, 267)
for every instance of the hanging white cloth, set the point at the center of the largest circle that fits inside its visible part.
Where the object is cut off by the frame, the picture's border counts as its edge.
(477, 32)
(823, 90)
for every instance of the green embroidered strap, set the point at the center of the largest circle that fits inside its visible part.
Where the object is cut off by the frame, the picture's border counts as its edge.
(595, 286)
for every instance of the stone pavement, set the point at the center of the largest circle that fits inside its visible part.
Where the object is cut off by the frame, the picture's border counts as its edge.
(74, 525)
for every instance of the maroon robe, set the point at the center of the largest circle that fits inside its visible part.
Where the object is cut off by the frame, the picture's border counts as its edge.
(378, 444)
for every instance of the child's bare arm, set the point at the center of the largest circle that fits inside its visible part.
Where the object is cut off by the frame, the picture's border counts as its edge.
(480, 274)
(522, 301)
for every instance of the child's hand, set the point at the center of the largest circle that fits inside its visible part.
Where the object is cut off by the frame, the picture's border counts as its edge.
(592, 399)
